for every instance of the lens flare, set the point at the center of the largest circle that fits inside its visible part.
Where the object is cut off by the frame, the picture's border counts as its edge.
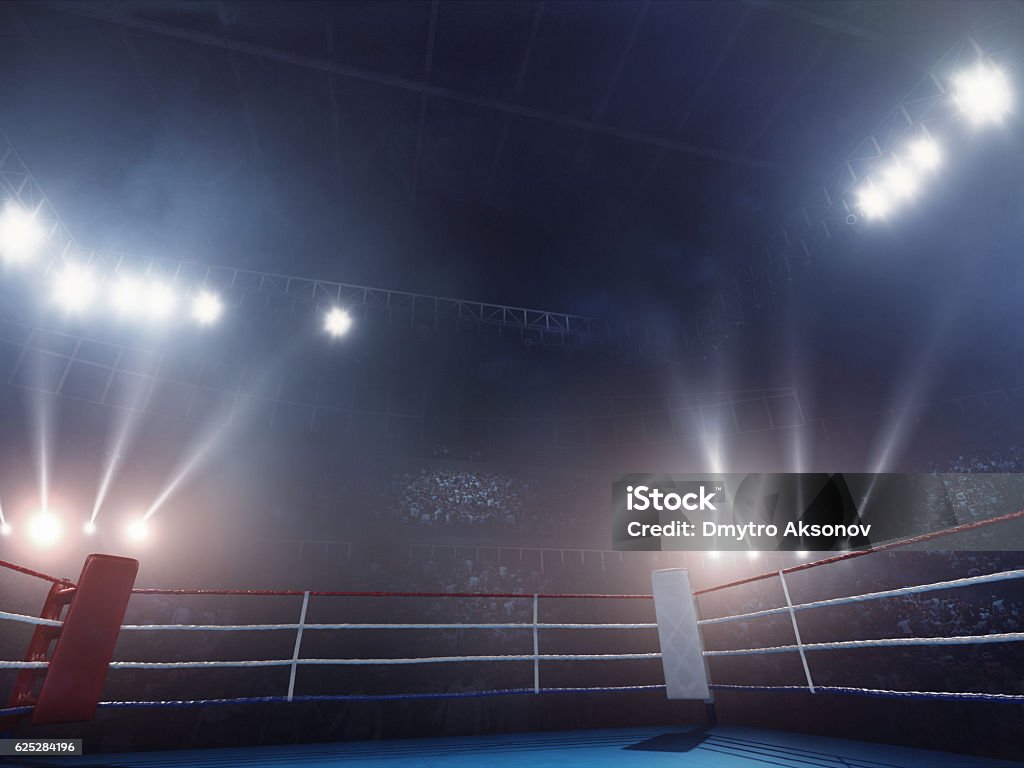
(137, 530)
(44, 529)
(983, 94)
(925, 154)
(160, 301)
(875, 202)
(128, 297)
(901, 181)
(206, 308)
(21, 236)
(74, 288)
(337, 322)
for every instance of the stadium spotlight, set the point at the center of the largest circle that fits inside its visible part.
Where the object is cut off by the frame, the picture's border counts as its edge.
(206, 308)
(44, 529)
(803, 554)
(900, 181)
(5, 529)
(137, 530)
(753, 554)
(89, 528)
(925, 154)
(874, 202)
(128, 299)
(983, 94)
(337, 322)
(160, 301)
(20, 234)
(74, 288)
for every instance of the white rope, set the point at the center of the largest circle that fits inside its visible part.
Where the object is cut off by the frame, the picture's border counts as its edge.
(24, 664)
(367, 662)
(30, 619)
(886, 692)
(274, 627)
(902, 591)
(895, 642)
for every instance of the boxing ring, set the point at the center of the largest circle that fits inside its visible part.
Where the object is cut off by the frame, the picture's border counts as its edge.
(73, 665)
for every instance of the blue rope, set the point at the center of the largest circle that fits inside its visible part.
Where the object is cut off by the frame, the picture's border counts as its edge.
(356, 697)
(879, 693)
(15, 711)
(372, 697)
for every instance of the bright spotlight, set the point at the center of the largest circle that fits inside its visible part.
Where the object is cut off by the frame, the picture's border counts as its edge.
(874, 202)
(74, 288)
(44, 529)
(20, 234)
(803, 554)
(925, 154)
(5, 529)
(89, 528)
(128, 296)
(753, 554)
(137, 530)
(983, 94)
(714, 555)
(337, 322)
(206, 308)
(160, 301)
(900, 181)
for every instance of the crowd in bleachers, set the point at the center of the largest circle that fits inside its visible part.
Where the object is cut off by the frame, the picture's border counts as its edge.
(1009, 460)
(983, 484)
(460, 501)
(443, 497)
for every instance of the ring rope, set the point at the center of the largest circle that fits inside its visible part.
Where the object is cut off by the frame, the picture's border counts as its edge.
(20, 617)
(313, 593)
(348, 662)
(902, 591)
(380, 662)
(273, 627)
(35, 574)
(1004, 637)
(355, 697)
(1011, 698)
(837, 690)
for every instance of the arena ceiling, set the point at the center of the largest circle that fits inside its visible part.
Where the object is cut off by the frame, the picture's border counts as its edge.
(606, 158)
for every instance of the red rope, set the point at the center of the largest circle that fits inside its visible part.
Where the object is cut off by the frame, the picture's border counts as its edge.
(861, 552)
(300, 593)
(36, 574)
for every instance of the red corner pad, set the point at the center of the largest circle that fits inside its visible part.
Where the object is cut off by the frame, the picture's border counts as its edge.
(85, 644)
